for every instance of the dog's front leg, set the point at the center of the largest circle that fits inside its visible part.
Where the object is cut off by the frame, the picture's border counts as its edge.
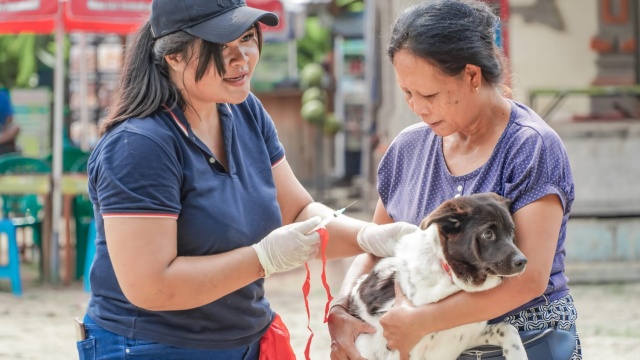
(504, 335)
(373, 347)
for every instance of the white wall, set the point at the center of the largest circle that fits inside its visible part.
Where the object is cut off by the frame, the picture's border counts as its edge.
(394, 113)
(545, 57)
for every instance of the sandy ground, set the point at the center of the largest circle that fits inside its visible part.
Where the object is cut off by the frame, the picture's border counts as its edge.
(38, 325)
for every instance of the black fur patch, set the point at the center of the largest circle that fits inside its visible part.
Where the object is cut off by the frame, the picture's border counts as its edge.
(375, 291)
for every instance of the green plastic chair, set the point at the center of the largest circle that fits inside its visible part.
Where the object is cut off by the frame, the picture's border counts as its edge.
(83, 216)
(74, 160)
(70, 154)
(24, 210)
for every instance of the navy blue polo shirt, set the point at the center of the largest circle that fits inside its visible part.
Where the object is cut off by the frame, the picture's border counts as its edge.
(157, 167)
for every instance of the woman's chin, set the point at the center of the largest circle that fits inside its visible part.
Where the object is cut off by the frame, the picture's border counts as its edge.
(238, 97)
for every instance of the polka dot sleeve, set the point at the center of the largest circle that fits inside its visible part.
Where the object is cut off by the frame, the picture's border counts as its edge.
(538, 167)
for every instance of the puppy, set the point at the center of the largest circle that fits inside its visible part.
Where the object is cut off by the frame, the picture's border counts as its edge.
(466, 244)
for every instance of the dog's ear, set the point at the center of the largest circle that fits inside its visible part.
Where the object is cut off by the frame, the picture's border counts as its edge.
(447, 216)
(440, 221)
(449, 224)
(502, 199)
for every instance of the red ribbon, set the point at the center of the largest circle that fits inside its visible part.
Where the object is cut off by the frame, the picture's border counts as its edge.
(324, 240)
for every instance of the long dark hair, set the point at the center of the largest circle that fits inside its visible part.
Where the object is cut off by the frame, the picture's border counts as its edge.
(144, 84)
(451, 34)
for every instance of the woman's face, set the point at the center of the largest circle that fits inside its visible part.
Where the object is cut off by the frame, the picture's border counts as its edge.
(445, 103)
(240, 59)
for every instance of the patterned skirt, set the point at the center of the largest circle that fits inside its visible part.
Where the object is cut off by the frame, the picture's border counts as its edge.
(559, 314)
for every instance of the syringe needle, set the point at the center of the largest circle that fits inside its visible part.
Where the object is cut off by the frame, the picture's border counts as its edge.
(335, 214)
(338, 212)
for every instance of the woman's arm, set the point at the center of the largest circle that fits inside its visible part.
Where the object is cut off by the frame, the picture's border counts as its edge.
(297, 205)
(537, 230)
(9, 130)
(363, 263)
(344, 328)
(152, 275)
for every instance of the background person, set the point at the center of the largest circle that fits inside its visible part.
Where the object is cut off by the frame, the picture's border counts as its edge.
(471, 139)
(8, 129)
(191, 188)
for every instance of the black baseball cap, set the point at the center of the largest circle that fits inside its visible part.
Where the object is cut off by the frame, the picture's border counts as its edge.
(217, 21)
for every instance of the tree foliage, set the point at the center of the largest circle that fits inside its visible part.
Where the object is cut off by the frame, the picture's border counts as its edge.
(22, 54)
(17, 59)
(315, 44)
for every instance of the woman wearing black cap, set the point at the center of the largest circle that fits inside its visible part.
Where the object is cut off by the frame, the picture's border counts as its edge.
(191, 190)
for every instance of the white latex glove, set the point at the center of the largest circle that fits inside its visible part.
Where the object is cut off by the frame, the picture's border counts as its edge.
(288, 247)
(381, 240)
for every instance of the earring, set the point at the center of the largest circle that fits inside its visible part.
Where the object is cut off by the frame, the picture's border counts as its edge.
(477, 88)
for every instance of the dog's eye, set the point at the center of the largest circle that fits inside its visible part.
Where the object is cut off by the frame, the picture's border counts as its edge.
(488, 234)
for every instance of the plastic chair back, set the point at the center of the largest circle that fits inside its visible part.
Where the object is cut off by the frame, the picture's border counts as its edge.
(80, 164)
(16, 164)
(22, 206)
(70, 155)
(24, 210)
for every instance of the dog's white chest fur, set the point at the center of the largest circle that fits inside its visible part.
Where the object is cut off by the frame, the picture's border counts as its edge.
(418, 269)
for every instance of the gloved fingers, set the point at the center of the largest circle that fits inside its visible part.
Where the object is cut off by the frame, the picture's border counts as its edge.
(379, 250)
(304, 244)
(306, 226)
(308, 254)
(381, 240)
(312, 239)
(289, 246)
(364, 237)
(406, 228)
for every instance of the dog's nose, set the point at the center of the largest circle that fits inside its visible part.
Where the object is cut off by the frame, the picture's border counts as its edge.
(518, 262)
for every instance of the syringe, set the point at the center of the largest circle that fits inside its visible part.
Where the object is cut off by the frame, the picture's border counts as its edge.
(335, 214)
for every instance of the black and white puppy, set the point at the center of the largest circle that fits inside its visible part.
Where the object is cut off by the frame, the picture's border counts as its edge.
(466, 244)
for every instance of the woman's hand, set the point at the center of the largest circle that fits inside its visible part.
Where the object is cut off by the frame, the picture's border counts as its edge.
(381, 240)
(344, 330)
(399, 325)
(289, 246)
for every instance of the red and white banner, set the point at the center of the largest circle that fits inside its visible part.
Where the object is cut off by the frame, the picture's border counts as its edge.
(118, 16)
(28, 16)
(98, 16)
